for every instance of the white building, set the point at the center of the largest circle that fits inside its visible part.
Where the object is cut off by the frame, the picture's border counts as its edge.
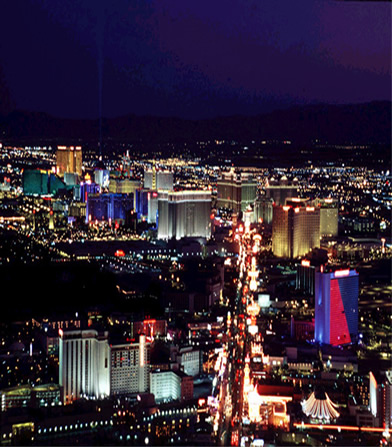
(191, 361)
(165, 385)
(84, 368)
(129, 369)
(184, 214)
(158, 180)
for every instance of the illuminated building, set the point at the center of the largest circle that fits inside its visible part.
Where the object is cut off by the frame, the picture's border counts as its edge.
(328, 219)
(263, 210)
(184, 214)
(170, 385)
(320, 407)
(108, 206)
(151, 328)
(191, 360)
(301, 329)
(236, 191)
(69, 159)
(28, 396)
(280, 191)
(158, 180)
(336, 307)
(84, 368)
(87, 188)
(71, 179)
(305, 277)
(124, 186)
(101, 178)
(39, 183)
(268, 409)
(142, 202)
(380, 398)
(130, 369)
(295, 231)
(152, 212)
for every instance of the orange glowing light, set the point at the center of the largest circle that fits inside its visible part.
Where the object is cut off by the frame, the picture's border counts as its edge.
(119, 253)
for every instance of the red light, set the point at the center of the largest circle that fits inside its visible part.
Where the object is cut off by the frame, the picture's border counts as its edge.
(155, 194)
(339, 333)
(119, 253)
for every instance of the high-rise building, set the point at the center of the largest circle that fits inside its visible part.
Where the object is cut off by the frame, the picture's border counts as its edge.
(124, 186)
(236, 191)
(263, 210)
(84, 368)
(295, 231)
(305, 277)
(130, 369)
(109, 206)
(158, 180)
(336, 307)
(328, 218)
(280, 191)
(184, 214)
(171, 385)
(41, 183)
(69, 159)
(165, 385)
(380, 397)
(152, 198)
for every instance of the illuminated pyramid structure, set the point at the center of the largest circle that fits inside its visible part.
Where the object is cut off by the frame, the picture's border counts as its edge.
(319, 406)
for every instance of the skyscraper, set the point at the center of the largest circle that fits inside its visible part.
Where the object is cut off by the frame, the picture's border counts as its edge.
(69, 159)
(295, 231)
(184, 214)
(158, 180)
(236, 191)
(109, 206)
(280, 191)
(328, 217)
(84, 368)
(336, 307)
(129, 371)
(263, 210)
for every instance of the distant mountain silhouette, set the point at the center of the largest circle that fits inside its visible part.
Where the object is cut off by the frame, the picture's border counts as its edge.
(355, 123)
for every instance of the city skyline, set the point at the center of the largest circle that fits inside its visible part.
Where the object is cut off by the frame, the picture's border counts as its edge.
(195, 223)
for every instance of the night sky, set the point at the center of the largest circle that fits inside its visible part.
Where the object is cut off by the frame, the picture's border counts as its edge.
(191, 58)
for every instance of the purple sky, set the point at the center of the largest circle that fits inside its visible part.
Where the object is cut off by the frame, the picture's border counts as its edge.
(192, 59)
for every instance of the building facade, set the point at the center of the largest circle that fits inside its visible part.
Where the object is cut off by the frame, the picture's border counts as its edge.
(295, 231)
(165, 385)
(158, 180)
(84, 368)
(109, 206)
(336, 307)
(184, 214)
(129, 367)
(69, 159)
(236, 191)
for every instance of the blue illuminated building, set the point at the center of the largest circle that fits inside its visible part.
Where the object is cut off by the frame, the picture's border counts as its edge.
(336, 307)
